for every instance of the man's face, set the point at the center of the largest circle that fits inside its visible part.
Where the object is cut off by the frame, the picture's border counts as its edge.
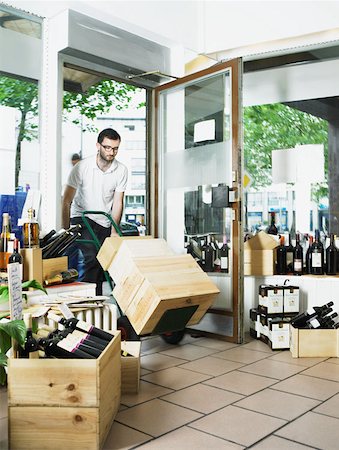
(108, 149)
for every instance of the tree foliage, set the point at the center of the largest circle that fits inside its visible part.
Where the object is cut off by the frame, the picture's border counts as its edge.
(277, 126)
(98, 99)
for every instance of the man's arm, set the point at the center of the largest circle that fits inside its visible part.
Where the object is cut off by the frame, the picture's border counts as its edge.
(66, 205)
(118, 205)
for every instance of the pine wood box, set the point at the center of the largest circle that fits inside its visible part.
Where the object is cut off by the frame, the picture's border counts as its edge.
(155, 287)
(260, 255)
(130, 367)
(314, 343)
(36, 268)
(63, 403)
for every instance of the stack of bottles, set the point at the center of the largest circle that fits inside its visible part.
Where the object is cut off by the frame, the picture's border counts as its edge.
(316, 261)
(55, 243)
(317, 317)
(78, 339)
(211, 255)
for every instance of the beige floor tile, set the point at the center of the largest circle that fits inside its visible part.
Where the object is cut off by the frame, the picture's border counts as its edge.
(325, 370)
(3, 403)
(158, 361)
(259, 346)
(4, 434)
(330, 407)
(211, 365)
(194, 397)
(153, 344)
(156, 417)
(147, 391)
(188, 352)
(277, 443)
(215, 344)
(313, 429)
(272, 369)
(241, 382)
(286, 356)
(333, 360)
(144, 371)
(238, 425)
(189, 439)
(278, 404)
(309, 387)
(175, 378)
(242, 355)
(121, 437)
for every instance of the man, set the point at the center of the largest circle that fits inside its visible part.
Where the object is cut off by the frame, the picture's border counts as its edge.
(96, 183)
(75, 158)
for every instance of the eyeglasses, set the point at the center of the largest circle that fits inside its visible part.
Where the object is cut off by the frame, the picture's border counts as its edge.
(108, 148)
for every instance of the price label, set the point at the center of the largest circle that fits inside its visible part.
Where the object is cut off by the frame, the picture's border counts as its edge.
(15, 291)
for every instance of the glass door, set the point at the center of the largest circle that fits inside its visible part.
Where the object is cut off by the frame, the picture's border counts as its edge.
(197, 188)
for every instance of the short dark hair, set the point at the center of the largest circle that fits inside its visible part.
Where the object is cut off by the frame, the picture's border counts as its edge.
(76, 157)
(108, 133)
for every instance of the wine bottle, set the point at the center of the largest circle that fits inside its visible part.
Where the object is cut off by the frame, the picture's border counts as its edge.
(30, 347)
(272, 229)
(209, 256)
(91, 341)
(62, 349)
(317, 252)
(321, 321)
(217, 261)
(80, 344)
(67, 276)
(76, 324)
(224, 260)
(331, 257)
(308, 258)
(281, 258)
(15, 257)
(44, 241)
(300, 320)
(289, 255)
(5, 233)
(30, 230)
(298, 257)
(203, 254)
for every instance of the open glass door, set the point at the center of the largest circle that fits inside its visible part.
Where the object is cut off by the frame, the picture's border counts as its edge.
(197, 188)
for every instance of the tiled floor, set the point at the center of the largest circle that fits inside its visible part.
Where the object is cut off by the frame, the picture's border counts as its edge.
(209, 394)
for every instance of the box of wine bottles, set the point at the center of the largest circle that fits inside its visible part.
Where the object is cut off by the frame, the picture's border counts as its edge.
(63, 403)
(271, 298)
(314, 343)
(52, 266)
(260, 254)
(130, 366)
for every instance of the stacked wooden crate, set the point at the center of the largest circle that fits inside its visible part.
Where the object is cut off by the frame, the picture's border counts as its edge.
(151, 280)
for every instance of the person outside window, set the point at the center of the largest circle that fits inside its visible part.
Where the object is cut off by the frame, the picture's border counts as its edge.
(96, 183)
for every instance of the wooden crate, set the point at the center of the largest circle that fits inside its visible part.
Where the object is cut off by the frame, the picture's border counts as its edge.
(52, 266)
(259, 262)
(314, 343)
(130, 367)
(153, 286)
(63, 403)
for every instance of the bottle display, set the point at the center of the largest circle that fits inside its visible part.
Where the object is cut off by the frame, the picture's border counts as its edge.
(308, 257)
(300, 321)
(282, 257)
(317, 255)
(331, 257)
(209, 256)
(289, 254)
(272, 229)
(224, 259)
(30, 348)
(30, 230)
(298, 257)
(67, 276)
(15, 257)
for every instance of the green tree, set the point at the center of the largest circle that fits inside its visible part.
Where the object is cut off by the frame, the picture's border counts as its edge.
(277, 126)
(23, 96)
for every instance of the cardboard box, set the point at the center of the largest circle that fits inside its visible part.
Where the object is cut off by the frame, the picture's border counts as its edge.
(260, 255)
(156, 289)
(279, 334)
(271, 298)
(291, 299)
(314, 343)
(130, 367)
(66, 402)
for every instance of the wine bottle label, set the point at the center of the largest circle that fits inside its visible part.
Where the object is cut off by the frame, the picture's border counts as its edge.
(315, 323)
(224, 262)
(316, 260)
(84, 326)
(298, 265)
(68, 345)
(289, 258)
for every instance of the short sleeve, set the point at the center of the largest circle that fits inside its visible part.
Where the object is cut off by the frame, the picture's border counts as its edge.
(74, 177)
(122, 182)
